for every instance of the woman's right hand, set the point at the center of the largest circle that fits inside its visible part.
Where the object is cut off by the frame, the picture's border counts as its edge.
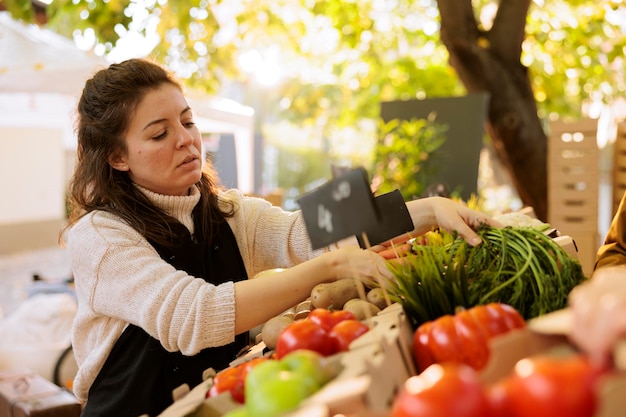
(354, 262)
(274, 293)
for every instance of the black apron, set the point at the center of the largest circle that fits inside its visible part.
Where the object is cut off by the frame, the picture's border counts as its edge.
(139, 375)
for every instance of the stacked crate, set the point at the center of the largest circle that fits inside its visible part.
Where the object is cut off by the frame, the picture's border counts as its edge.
(619, 166)
(573, 185)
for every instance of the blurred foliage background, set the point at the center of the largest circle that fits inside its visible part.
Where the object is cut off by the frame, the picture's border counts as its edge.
(317, 70)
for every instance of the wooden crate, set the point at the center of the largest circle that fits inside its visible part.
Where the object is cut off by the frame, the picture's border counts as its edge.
(573, 185)
(574, 210)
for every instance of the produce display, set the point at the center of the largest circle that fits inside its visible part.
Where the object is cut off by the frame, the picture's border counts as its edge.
(373, 378)
(449, 337)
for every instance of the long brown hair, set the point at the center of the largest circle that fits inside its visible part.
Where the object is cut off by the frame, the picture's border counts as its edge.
(105, 108)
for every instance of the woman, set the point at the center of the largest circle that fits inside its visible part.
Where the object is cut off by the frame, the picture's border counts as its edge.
(161, 256)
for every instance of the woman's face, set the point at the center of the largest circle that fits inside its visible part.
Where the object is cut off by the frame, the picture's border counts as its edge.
(164, 146)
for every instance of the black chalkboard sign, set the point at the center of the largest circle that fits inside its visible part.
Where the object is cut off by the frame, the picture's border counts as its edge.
(395, 220)
(341, 208)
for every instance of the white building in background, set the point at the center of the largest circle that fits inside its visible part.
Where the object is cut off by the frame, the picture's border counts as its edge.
(41, 77)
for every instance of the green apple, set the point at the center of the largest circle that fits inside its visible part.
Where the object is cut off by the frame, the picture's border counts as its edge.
(277, 386)
(264, 371)
(309, 363)
(278, 393)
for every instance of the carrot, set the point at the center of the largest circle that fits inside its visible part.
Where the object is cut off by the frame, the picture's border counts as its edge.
(396, 251)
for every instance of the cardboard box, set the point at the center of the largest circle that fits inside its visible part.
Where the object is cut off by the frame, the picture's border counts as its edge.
(195, 403)
(371, 372)
(24, 393)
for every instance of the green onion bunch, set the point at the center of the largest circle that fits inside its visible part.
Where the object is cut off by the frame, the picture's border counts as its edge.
(519, 266)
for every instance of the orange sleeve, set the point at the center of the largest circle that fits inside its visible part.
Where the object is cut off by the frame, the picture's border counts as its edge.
(613, 250)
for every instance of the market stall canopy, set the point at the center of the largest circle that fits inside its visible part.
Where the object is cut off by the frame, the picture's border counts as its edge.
(37, 60)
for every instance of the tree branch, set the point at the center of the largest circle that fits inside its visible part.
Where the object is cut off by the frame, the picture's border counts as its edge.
(458, 23)
(464, 41)
(509, 29)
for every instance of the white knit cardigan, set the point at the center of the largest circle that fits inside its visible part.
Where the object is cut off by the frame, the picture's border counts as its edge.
(121, 279)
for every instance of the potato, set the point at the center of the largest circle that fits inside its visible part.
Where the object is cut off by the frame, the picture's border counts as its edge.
(360, 308)
(334, 294)
(376, 296)
(272, 328)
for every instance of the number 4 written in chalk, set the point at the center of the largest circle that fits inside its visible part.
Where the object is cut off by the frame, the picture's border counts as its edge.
(324, 218)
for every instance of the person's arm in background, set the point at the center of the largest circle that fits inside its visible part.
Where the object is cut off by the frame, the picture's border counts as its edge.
(613, 250)
(599, 305)
(599, 313)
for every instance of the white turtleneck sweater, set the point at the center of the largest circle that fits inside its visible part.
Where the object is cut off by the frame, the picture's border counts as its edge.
(121, 279)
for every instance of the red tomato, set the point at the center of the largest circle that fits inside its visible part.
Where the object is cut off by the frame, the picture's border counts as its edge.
(328, 319)
(233, 379)
(344, 332)
(238, 391)
(303, 334)
(224, 381)
(442, 390)
(463, 337)
(548, 386)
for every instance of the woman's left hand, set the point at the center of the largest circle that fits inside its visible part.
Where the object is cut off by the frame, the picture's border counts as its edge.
(449, 215)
